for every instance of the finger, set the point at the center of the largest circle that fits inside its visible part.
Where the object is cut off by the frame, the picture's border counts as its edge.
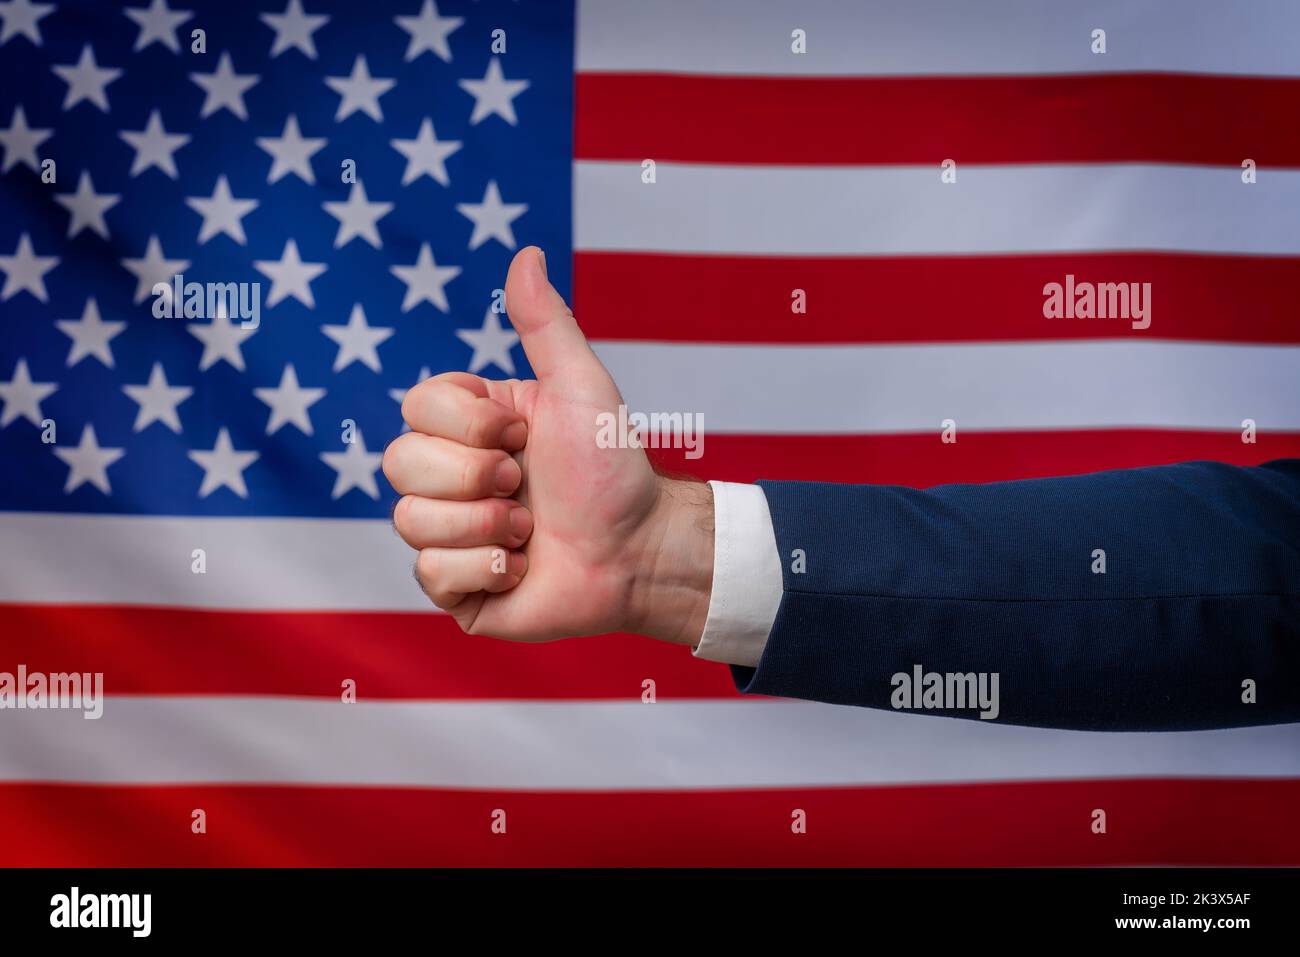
(456, 406)
(547, 329)
(427, 522)
(417, 464)
(448, 574)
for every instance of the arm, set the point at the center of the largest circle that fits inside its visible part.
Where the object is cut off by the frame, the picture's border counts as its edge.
(1200, 592)
(533, 522)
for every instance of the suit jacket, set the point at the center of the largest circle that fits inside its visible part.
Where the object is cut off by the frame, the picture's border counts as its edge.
(1162, 598)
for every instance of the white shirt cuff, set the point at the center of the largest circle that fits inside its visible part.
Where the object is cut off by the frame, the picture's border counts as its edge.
(747, 583)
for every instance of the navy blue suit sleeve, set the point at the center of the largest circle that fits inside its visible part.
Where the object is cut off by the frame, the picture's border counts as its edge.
(1200, 595)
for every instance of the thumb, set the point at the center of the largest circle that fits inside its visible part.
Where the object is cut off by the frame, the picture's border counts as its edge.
(550, 335)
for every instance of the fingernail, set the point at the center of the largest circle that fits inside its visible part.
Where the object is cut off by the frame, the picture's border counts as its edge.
(508, 476)
(541, 260)
(513, 436)
(521, 523)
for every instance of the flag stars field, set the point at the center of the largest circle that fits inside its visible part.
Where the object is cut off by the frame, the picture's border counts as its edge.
(158, 141)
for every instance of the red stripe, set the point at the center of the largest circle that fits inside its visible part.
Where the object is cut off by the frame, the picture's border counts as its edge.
(672, 298)
(924, 460)
(389, 655)
(1111, 118)
(1213, 822)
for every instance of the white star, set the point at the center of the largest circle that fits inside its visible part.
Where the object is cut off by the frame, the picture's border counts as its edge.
(86, 208)
(154, 146)
(356, 468)
(358, 217)
(492, 218)
(21, 396)
(222, 213)
(426, 154)
(290, 152)
(86, 80)
(359, 92)
(399, 395)
(426, 281)
(21, 16)
(290, 276)
(90, 335)
(157, 24)
(223, 466)
(225, 88)
(158, 400)
(429, 31)
(221, 339)
(289, 402)
(20, 142)
(494, 94)
(294, 28)
(357, 340)
(491, 344)
(88, 462)
(152, 268)
(26, 270)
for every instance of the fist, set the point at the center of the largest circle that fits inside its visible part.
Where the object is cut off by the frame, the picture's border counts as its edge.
(527, 528)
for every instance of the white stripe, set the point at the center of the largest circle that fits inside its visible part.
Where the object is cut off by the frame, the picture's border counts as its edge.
(937, 37)
(1119, 383)
(592, 746)
(260, 564)
(907, 210)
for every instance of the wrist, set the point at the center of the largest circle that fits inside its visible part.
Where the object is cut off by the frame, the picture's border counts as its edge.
(673, 581)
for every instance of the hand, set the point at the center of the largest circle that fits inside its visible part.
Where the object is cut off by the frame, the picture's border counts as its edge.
(527, 529)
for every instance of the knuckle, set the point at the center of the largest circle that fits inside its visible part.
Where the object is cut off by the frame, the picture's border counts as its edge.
(472, 475)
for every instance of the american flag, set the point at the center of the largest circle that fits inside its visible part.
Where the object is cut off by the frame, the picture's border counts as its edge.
(825, 227)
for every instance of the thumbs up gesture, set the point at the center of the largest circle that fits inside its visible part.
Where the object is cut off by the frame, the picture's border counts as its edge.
(527, 527)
